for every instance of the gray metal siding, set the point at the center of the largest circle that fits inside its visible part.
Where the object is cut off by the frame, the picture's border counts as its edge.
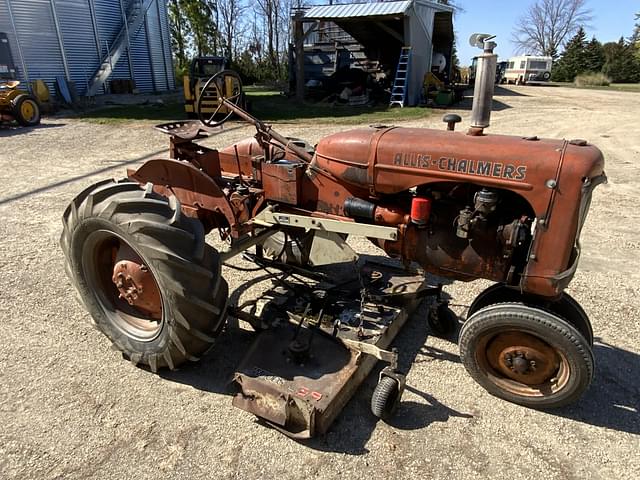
(38, 39)
(141, 62)
(150, 47)
(109, 19)
(155, 42)
(76, 27)
(166, 35)
(419, 36)
(5, 26)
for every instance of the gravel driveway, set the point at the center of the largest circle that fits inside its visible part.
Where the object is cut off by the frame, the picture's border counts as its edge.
(70, 407)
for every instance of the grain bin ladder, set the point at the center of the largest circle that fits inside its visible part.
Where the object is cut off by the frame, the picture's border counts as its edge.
(399, 89)
(134, 20)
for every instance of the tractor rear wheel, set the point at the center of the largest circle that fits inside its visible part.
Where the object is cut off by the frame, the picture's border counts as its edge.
(26, 110)
(144, 272)
(526, 355)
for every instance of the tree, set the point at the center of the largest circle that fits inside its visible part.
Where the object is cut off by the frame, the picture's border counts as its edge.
(635, 37)
(573, 59)
(179, 40)
(200, 15)
(231, 11)
(593, 56)
(621, 65)
(547, 24)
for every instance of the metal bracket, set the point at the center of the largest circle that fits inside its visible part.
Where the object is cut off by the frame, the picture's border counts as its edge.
(245, 243)
(385, 355)
(269, 218)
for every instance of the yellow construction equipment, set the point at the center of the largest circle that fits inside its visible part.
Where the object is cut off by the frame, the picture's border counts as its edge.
(17, 104)
(201, 69)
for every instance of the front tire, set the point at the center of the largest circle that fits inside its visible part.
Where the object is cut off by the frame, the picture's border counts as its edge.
(182, 306)
(26, 110)
(526, 355)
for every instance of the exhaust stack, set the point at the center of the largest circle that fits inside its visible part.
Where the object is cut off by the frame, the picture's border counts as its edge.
(484, 84)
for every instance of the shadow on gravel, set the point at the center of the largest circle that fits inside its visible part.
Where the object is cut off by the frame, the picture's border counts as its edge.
(114, 165)
(467, 103)
(507, 92)
(75, 178)
(613, 401)
(12, 129)
(352, 429)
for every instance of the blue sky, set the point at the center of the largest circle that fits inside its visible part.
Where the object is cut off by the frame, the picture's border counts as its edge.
(611, 19)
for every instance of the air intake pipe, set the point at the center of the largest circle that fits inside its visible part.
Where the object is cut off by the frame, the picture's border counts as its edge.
(485, 81)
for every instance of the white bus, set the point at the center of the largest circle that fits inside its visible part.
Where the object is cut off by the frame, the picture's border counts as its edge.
(528, 69)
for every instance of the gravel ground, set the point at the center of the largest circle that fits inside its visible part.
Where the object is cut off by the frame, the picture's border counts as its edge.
(70, 407)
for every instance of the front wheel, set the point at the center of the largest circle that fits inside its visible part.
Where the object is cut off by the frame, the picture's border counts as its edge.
(144, 273)
(526, 355)
(26, 110)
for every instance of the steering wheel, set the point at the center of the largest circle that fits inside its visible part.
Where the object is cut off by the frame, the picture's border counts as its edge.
(219, 82)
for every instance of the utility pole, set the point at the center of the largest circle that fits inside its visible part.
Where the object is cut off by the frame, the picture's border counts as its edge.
(298, 41)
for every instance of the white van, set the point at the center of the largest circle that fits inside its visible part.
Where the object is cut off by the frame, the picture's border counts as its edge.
(527, 68)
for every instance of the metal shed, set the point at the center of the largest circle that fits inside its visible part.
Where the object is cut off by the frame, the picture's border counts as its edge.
(90, 42)
(381, 29)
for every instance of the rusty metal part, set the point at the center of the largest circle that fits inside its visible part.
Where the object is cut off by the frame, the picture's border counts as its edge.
(187, 129)
(282, 182)
(380, 165)
(390, 215)
(135, 282)
(302, 399)
(523, 364)
(406, 157)
(523, 357)
(196, 191)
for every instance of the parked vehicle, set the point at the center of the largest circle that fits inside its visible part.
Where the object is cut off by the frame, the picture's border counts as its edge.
(201, 69)
(500, 71)
(527, 69)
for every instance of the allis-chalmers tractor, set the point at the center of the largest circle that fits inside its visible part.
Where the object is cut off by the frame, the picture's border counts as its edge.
(463, 206)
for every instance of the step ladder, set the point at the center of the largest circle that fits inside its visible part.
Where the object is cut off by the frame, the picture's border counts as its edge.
(400, 83)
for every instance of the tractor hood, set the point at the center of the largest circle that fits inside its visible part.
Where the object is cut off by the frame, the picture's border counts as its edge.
(391, 160)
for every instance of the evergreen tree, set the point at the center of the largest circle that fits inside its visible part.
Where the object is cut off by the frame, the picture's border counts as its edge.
(593, 56)
(635, 37)
(573, 60)
(621, 64)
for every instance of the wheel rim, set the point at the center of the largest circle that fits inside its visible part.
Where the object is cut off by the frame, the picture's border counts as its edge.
(124, 285)
(523, 364)
(28, 110)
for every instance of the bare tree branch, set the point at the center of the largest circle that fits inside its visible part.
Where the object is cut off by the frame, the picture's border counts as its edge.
(547, 24)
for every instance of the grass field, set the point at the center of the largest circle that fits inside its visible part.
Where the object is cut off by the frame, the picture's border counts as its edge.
(268, 105)
(622, 87)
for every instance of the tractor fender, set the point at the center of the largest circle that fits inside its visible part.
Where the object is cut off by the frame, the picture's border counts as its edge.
(198, 192)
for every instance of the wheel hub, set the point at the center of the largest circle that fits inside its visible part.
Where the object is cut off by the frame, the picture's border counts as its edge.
(523, 357)
(135, 283)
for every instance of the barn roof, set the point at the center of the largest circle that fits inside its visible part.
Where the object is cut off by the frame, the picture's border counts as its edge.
(377, 9)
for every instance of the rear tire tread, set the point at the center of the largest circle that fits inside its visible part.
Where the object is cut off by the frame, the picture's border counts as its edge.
(187, 270)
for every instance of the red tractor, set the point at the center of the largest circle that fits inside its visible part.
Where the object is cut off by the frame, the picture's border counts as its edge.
(464, 206)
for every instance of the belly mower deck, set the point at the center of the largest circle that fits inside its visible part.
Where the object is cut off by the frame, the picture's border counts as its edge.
(321, 343)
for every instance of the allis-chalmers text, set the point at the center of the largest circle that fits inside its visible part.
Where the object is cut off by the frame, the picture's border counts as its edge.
(462, 165)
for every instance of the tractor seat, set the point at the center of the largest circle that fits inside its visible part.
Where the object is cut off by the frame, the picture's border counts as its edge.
(187, 130)
(10, 84)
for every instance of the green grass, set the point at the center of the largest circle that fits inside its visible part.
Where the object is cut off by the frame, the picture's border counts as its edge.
(273, 107)
(267, 105)
(130, 113)
(621, 87)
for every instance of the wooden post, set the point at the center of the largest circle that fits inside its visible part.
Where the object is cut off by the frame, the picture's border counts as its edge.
(298, 39)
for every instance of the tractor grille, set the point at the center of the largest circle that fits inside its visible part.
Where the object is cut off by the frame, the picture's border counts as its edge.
(209, 96)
